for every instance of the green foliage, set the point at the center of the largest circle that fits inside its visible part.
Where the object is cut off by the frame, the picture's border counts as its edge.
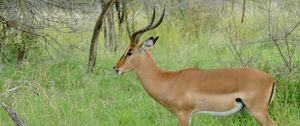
(12, 41)
(67, 95)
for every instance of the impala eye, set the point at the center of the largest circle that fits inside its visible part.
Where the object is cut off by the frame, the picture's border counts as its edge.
(129, 53)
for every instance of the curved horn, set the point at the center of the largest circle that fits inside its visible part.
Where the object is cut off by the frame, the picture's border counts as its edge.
(136, 35)
(159, 21)
(133, 35)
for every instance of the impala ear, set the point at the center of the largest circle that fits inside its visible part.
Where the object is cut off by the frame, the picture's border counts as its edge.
(155, 39)
(148, 43)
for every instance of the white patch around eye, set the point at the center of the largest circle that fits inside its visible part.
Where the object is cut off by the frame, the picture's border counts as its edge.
(238, 107)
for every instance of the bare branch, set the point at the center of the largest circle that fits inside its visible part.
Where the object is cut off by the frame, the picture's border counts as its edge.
(14, 116)
(11, 90)
(297, 24)
(243, 12)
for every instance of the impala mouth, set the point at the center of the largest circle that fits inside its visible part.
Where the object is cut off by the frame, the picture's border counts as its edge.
(118, 71)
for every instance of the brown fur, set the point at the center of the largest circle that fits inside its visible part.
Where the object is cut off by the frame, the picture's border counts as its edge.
(190, 90)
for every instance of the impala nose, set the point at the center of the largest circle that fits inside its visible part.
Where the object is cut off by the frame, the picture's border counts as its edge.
(116, 70)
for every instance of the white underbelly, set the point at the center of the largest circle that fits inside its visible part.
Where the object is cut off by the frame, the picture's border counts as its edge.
(238, 106)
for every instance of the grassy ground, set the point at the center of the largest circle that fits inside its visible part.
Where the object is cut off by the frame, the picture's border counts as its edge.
(70, 96)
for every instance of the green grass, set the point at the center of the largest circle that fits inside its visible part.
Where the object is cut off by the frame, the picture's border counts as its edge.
(70, 96)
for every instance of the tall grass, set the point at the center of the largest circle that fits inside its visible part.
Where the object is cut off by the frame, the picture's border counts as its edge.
(67, 95)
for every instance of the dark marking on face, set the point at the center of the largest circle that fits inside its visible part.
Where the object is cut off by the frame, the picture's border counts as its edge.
(129, 53)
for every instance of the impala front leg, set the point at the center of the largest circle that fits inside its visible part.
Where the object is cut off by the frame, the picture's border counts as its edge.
(184, 118)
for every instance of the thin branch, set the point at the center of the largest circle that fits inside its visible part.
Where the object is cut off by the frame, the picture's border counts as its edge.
(54, 4)
(11, 90)
(280, 52)
(243, 12)
(14, 116)
(297, 24)
(288, 54)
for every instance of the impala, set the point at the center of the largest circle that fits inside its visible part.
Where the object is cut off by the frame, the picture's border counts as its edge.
(185, 92)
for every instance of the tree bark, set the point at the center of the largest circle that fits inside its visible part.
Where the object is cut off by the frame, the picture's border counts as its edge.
(21, 55)
(243, 12)
(94, 41)
(105, 41)
(111, 31)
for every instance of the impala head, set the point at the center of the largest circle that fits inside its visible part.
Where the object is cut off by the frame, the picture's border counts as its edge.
(133, 55)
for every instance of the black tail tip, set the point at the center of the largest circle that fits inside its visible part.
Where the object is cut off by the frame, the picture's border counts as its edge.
(238, 100)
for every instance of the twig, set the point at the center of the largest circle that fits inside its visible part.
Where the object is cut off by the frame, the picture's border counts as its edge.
(293, 28)
(280, 52)
(243, 12)
(11, 90)
(14, 116)
(15, 89)
(55, 4)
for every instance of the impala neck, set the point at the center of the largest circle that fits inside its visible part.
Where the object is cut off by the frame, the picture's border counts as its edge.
(148, 70)
(150, 75)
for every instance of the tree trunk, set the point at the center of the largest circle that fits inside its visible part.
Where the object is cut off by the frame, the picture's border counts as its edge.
(21, 55)
(105, 41)
(2, 38)
(94, 41)
(111, 31)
